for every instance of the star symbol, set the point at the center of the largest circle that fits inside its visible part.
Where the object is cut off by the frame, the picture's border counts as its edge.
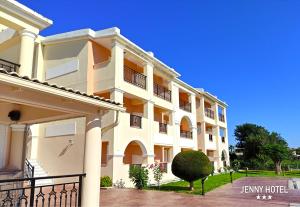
(269, 197)
(258, 197)
(264, 197)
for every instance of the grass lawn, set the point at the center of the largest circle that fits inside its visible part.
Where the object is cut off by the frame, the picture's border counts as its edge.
(218, 180)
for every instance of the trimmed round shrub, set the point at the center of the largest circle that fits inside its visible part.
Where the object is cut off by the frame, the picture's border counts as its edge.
(191, 166)
(106, 181)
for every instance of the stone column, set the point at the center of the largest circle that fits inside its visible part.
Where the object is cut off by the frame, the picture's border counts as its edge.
(26, 52)
(92, 162)
(17, 147)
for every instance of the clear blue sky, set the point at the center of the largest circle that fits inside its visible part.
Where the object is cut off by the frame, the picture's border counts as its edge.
(245, 52)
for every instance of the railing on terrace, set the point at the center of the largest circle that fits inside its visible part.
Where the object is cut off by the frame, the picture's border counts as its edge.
(163, 128)
(186, 134)
(162, 92)
(24, 192)
(134, 77)
(9, 66)
(209, 113)
(29, 169)
(221, 117)
(185, 105)
(135, 121)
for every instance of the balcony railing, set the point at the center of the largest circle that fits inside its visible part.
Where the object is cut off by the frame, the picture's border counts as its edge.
(163, 128)
(28, 169)
(134, 77)
(162, 92)
(185, 105)
(9, 66)
(221, 117)
(135, 121)
(209, 113)
(24, 192)
(186, 134)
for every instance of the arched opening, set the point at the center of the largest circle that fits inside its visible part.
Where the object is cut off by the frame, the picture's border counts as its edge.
(135, 153)
(186, 128)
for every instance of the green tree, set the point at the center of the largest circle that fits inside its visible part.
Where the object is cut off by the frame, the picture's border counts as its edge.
(191, 166)
(277, 149)
(250, 138)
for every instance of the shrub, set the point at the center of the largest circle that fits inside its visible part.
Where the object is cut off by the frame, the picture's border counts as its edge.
(190, 166)
(139, 176)
(106, 181)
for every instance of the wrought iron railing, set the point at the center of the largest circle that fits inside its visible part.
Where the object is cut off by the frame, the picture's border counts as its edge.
(163, 128)
(29, 169)
(221, 117)
(9, 66)
(24, 192)
(135, 121)
(209, 113)
(134, 77)
(162, 92)
(186, 134)
(184, 105)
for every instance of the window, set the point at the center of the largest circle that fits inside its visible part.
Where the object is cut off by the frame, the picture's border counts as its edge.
(166, 155)
(210, 137)
(222, 134)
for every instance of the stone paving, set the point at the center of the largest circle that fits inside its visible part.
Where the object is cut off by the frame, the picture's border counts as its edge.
(228, 195)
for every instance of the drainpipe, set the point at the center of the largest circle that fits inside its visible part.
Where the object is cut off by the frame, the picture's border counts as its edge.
(111, 126)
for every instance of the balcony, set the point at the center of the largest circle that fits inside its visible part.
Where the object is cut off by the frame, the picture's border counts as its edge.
(162, 92)
(163, 128)
(221, 117)
(209, 113)
(9, 66)
(186, 134)
(135, 121)
(134, 77)
(186, 106)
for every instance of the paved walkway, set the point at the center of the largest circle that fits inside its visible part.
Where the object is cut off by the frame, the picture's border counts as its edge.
(228, 195)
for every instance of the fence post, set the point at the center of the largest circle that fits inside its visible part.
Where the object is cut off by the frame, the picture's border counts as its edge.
(80, 190)
(32, 189)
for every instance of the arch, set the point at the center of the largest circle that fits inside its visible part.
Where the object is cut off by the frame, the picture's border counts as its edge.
(134, 153)
(185, 124)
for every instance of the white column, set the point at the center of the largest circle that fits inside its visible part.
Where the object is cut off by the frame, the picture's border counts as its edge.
(149, 84)
(17, 147)
(216, 106)
(92, 162)
(117, 63)
(149, 114)
(26, 52)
